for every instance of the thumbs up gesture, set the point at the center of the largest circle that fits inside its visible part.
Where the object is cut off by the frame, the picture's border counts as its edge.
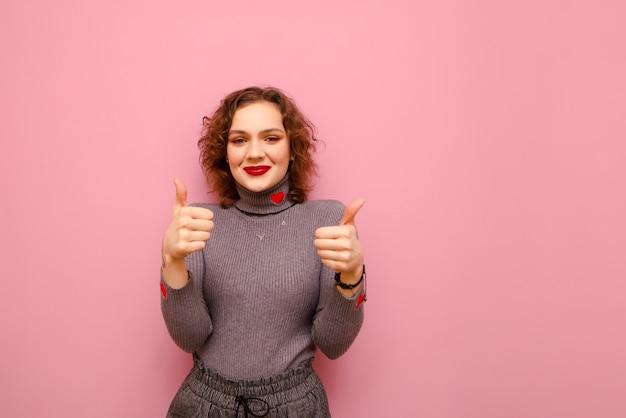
(189, 229)
(338, 246)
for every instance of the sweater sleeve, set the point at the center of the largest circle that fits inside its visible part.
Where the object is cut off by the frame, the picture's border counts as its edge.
(184, 310)
(338, 319)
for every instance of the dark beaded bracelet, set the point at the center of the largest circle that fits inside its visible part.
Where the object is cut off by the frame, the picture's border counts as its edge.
(345, 285)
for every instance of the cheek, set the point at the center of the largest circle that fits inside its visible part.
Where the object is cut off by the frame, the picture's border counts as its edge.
(232, 156)
(283, 154)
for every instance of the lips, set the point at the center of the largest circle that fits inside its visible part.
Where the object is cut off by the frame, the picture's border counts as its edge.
(256, 170)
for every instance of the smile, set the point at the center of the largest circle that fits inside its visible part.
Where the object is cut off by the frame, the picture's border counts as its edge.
(257, 170)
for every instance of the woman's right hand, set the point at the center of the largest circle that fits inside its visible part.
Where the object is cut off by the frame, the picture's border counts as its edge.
(188, 231)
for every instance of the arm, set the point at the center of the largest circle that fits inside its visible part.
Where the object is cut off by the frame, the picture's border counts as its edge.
(182, 304)
(184, 310)
(338, 319)
(340, 312)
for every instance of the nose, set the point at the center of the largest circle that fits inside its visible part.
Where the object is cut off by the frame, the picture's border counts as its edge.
(256, 150)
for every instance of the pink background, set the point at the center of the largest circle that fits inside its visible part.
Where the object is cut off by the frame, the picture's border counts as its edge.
(488, 138)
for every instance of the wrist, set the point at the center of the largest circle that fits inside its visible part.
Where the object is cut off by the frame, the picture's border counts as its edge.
(349, 286)
(168, 260)
(350, 280)
(174, 271)
(351, 289)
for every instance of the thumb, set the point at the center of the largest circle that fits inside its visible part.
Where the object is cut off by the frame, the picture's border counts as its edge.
(181, 193)
(351, 210)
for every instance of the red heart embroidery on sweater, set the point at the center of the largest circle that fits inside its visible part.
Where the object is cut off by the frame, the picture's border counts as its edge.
(362, 298)
(277, 197)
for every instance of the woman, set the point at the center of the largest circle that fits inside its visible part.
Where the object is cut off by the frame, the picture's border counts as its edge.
(253, 285)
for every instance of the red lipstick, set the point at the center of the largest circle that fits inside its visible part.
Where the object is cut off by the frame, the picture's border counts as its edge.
(256, 170)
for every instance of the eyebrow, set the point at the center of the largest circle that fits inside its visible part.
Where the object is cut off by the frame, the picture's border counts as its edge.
(263, 132)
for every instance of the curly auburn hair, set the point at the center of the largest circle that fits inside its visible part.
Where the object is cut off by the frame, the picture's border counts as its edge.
(300, 131)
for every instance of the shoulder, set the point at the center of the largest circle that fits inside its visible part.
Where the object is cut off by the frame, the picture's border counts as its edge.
(326, 211)
(324, 205)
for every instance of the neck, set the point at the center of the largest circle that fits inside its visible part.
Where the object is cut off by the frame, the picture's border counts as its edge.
(273, 200)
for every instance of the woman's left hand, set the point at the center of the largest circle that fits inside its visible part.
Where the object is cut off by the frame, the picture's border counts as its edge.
(338, 246)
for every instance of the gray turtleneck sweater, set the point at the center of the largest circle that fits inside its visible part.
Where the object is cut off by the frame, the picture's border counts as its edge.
(259, 300)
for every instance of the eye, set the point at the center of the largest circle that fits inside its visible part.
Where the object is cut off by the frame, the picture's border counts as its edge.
(237, 140)
(272, 139)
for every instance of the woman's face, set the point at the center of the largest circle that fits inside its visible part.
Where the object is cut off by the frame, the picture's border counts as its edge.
(258, 146)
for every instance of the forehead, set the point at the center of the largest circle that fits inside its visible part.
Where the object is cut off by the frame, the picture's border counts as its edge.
(257, 114)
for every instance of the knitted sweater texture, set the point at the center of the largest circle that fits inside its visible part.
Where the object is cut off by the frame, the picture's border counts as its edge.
(259, 301)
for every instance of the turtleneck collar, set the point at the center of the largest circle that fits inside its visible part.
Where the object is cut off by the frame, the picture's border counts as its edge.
(273, 200)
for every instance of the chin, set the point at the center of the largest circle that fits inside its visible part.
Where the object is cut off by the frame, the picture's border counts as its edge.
(255, 187)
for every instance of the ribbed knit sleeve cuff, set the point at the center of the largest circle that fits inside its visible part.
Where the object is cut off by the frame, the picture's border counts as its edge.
(182, 295)
(185, 314)
(342, 302)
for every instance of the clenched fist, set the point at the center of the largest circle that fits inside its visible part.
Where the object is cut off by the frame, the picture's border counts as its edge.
(338, 246)
(188, 231)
